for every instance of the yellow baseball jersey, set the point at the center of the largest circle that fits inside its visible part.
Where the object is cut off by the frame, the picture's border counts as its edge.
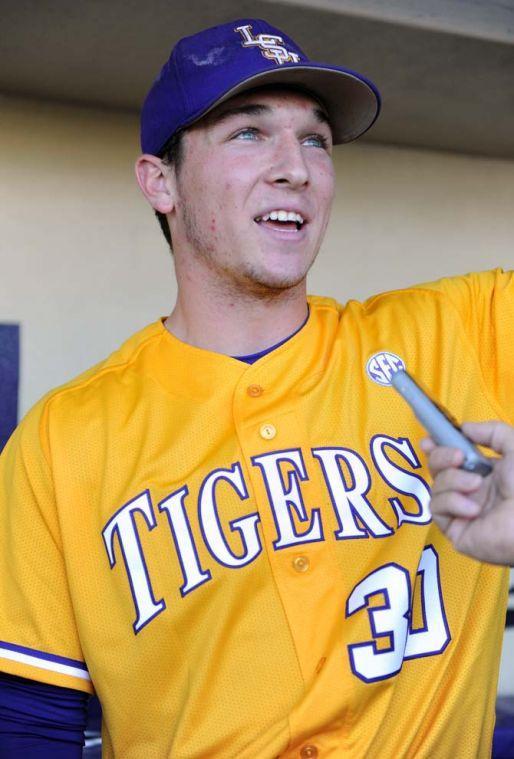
(240, 560)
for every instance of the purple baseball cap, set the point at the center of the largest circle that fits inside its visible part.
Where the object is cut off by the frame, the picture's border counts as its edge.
(214, 65)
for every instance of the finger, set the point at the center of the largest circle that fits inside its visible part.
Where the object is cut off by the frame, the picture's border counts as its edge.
(443, 522)
(496, 435)
(456, 480)
(427, 445)
(456, 532)
(442, 457)
(489, 540)
(451, 504)
(504, 475)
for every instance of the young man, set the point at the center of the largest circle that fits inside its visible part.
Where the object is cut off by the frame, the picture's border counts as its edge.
(224, 529)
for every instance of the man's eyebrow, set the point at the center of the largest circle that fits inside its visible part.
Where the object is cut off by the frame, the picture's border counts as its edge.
(321, 116)
(258, 109)
(255, 109)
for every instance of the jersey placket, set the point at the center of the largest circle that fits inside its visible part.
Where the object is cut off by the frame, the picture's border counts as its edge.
(296, 524)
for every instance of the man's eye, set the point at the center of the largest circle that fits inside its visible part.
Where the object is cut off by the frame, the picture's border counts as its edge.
(248, 133)
(316, 140)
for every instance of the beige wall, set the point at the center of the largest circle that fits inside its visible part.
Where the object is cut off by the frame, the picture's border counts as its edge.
(83, 264)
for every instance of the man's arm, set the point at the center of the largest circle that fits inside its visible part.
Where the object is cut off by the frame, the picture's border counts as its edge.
(40, 721)
(475, 513)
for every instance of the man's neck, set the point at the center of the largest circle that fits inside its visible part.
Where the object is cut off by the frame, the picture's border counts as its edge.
(238, 326)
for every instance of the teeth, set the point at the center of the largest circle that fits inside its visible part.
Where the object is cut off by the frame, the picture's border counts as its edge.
(281, 215)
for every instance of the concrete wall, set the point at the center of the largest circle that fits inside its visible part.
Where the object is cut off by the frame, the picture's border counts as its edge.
(83, 263)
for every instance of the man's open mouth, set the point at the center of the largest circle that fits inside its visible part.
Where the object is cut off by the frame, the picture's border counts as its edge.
(281, 219)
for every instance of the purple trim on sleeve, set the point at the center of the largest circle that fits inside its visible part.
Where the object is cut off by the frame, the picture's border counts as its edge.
(43, 655)
(251, 358)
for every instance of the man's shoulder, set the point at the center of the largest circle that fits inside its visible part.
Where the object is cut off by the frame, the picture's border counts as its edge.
(462, 289)
(466, 299)
(105, 377)
(433, 290)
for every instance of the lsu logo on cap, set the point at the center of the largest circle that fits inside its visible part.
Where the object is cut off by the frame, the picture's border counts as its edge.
(381, 366)
(271, 45)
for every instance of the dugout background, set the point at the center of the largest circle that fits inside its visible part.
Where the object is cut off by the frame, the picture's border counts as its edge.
(430, 192)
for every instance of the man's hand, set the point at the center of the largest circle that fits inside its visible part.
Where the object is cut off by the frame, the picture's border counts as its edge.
(476, 513)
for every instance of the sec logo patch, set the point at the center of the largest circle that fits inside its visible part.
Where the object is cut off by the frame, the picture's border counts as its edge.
(381, 366)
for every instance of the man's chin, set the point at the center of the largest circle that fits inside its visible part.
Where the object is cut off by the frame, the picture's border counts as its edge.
(277, 276)
(274, 283)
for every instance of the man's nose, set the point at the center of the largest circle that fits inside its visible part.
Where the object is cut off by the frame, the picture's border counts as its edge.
(288, 166)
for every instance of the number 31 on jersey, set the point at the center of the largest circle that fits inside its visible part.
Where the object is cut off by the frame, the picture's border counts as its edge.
(392, 620)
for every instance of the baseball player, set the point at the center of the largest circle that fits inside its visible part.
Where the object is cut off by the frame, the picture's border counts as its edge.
(223, 530)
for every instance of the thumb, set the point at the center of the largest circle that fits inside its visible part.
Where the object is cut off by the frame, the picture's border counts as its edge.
(495, 435)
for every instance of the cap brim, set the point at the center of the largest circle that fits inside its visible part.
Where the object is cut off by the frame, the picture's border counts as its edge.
(352, 102)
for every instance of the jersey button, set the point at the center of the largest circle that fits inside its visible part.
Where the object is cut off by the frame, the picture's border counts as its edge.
(254, 391)
(309, 752)
(301, 563)
(267, 431)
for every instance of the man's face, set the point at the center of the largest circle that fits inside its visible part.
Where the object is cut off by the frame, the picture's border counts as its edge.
(254, 192)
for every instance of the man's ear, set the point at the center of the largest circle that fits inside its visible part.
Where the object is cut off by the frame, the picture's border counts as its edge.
(156, 182)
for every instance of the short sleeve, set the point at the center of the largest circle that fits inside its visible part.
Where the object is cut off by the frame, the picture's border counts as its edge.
(485, 304)
(38, 635)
